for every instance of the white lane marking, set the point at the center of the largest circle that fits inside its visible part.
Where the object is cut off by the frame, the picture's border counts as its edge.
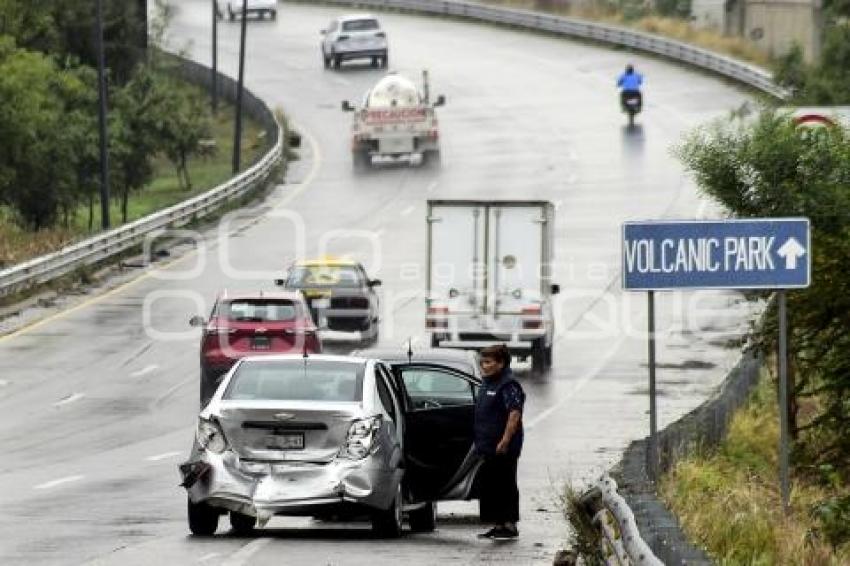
(60, 481)
(431, 187)
(3, 383)
(209, 556)
(583, 380)
(408, 210)
(145, 371)
(244, 554)
(379, 233)
(68, 399)
(162, 456)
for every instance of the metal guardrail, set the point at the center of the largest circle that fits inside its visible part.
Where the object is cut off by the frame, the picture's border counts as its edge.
(621, 543)
(93, 250)
(740, 71)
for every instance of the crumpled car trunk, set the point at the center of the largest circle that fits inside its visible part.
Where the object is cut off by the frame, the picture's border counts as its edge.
(256, 476)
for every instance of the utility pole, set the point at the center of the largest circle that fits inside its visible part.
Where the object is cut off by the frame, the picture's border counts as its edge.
(104, 154)
(214, 56)
(237, 140)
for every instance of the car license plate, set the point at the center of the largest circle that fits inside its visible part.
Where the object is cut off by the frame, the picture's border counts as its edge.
(321, 303)
(261, 343)
(290, 441)
(396, 145)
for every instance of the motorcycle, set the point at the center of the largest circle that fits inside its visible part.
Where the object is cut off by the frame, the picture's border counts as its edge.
(631, 102)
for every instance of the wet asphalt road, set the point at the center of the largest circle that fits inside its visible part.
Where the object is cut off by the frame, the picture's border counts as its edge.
(97, 404)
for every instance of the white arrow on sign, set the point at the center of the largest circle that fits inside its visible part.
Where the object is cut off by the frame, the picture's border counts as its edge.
(791, 250)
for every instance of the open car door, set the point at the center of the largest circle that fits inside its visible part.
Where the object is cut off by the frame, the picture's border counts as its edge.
(439, 414)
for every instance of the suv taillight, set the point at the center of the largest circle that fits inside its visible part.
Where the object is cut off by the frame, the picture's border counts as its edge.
(437, 317)
(532, 317)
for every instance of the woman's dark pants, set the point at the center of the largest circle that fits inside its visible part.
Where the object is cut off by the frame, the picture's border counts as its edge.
(499, 495)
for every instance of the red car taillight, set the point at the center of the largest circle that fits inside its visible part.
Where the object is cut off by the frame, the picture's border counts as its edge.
(532, 317)
(437, 317)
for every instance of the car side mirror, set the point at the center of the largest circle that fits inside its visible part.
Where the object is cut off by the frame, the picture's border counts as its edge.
(441, 101)
(375, 283)
(196, 321)
(280, 282)
(555, 289)
(347, 107)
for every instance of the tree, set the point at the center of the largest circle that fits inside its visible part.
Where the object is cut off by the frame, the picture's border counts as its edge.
(770, 168)
(33, 157)
(186, 125)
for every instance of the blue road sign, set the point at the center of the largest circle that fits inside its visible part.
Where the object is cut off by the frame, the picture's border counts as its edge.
(770, 253)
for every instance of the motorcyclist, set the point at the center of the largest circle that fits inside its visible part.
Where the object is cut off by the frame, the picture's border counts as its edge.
(630, 82)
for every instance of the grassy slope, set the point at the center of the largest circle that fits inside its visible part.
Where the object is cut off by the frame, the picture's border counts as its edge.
(17, 245)
(729, 502)
(672, 28)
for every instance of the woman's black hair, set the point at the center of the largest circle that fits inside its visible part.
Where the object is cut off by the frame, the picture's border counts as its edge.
(498, 352)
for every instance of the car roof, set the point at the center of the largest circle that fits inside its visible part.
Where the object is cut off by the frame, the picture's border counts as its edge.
(464, 360)
(354, 17)
(241, 295)
(418, 354)
(300, 357)
(328, 261)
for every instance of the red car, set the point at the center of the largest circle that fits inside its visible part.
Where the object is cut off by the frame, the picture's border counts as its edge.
(250, 324)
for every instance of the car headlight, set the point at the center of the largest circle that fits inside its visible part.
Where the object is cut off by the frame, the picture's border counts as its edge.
(210, 436)
(361, 438)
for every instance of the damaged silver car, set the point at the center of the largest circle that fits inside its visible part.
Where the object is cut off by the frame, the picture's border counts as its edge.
(332, 436)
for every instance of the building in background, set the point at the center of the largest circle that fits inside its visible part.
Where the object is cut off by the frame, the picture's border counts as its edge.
(772, 25)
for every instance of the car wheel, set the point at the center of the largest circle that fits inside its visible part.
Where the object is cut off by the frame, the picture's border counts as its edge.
(274, 14)
(387, 524)
(372, 334)
(242, 524)
(435, 341)
(424, 519)
(361, 160)
(538, 356)
(374, 61)
(385, 60)
(326, 60)
(207, 386)
(203, 519)
(547, 356)
(431, 157)
(337, 61)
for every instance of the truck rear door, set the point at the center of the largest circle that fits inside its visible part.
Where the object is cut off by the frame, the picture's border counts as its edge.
(457, 258)
(514, 260)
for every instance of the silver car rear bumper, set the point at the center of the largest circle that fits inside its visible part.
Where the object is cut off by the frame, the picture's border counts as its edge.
(291, 488)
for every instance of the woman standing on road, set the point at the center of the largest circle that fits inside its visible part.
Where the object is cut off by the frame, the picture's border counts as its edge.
(498, 438)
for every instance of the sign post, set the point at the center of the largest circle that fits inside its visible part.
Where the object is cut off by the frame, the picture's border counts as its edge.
(764, 253)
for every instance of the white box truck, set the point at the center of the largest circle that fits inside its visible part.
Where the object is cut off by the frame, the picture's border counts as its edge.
(489, 276)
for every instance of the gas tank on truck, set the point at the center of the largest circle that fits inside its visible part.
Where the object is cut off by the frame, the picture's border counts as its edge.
(395, 121)
(489, 276)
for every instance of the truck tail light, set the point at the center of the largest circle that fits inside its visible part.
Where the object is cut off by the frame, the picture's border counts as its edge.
(532, 317)
(437, 317)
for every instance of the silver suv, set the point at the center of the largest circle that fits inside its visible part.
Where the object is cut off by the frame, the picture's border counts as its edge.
(354, 37)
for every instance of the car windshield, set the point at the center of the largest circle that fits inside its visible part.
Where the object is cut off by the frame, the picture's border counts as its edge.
(360, 25)
(259, 310)
(297, 380)
(325, 276)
